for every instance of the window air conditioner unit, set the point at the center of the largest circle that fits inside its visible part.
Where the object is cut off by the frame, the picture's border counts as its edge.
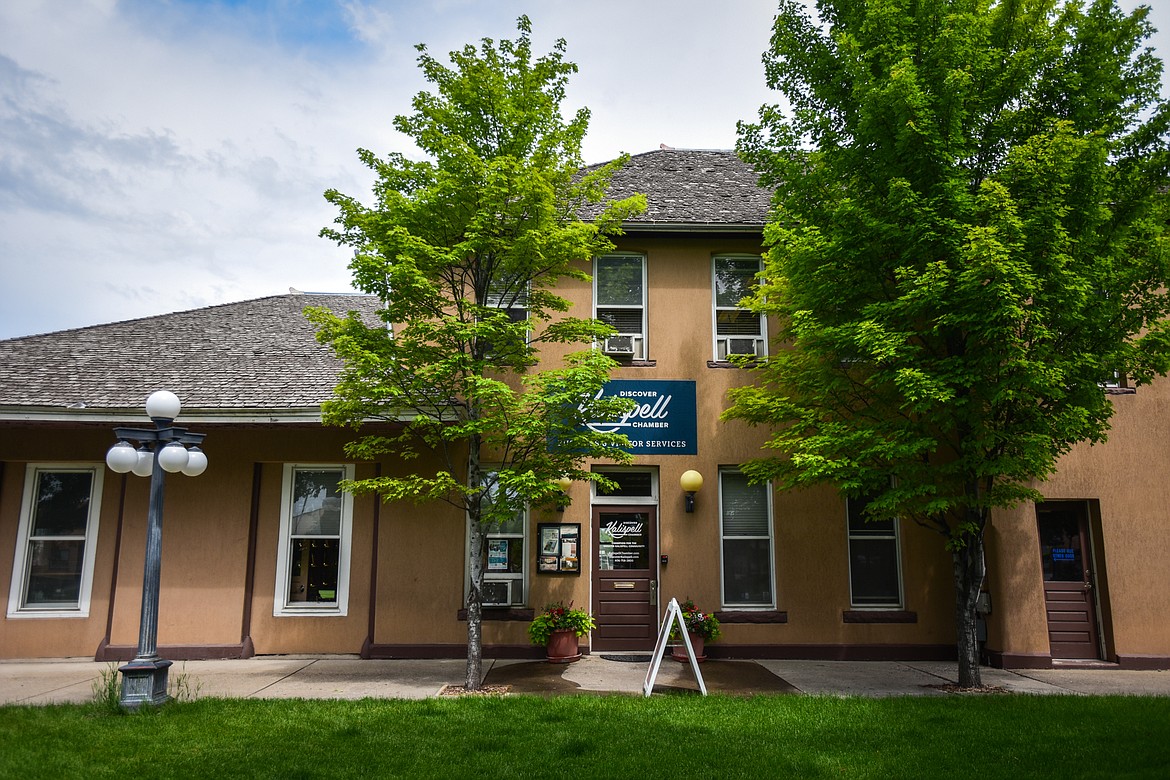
(497, 593)
(619, 345)
(741, 346)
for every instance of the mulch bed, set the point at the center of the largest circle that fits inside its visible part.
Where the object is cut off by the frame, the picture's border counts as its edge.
(484, 690)
(955, 688)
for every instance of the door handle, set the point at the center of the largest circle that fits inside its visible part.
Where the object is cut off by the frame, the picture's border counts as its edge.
(654, 592)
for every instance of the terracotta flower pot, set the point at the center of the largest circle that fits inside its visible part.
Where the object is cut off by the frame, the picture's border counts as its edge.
(679, 653)
(563, 647)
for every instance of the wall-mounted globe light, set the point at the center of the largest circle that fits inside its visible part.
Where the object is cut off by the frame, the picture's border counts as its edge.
(691, 482)
(564, 483)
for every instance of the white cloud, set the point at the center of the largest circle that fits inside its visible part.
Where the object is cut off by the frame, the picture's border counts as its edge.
(160, 156)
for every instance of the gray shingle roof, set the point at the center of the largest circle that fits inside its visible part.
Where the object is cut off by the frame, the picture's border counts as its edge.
(260, 356)
(692, 187)
(255, 355)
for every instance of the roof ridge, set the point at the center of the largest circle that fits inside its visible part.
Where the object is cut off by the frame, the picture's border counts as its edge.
(209, 307)
(635, 155)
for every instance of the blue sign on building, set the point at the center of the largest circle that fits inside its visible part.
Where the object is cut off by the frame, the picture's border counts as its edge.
(664, 422)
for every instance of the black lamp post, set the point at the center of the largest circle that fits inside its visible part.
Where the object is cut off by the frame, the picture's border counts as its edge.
(161, 449)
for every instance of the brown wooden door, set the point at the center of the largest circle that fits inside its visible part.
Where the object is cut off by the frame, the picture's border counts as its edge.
(1066, 561)
(625, 578)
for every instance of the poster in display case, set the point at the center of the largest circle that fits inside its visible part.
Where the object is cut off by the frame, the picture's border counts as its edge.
(560, 546)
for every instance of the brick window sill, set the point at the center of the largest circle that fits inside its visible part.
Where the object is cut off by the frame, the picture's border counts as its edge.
(752, 616)
(878, 616)
(502, 613)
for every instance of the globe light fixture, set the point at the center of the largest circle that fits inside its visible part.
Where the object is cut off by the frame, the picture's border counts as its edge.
(122, 457)
(564, 483)
(144, 464)
(196, 462)
(160, 449)
(691, 482)
(173, 457)
(163, 404)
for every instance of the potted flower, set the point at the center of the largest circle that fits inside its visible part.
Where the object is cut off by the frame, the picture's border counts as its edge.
(558, 628)
(702, 627)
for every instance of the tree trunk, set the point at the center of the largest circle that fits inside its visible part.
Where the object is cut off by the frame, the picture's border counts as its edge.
(477, 540)
(969, 569)
(475, 607)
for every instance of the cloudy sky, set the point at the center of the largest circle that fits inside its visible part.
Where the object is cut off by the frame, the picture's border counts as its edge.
(158, 155)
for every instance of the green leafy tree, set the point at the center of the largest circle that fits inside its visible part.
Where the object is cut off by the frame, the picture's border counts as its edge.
(968, 242)
(464, 249)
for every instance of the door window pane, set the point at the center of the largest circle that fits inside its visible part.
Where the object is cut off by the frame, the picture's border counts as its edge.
(624, 541)
(1060, 546)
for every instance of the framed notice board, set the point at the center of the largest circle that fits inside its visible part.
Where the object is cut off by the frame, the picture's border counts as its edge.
(559, 548)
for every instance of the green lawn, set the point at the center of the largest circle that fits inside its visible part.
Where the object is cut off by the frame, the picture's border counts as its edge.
(675, 736)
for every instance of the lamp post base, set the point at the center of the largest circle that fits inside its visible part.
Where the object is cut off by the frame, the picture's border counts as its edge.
(144, 681)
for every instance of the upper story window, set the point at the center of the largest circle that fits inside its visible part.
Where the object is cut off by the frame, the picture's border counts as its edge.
(737, 330)
(619, 300)
(875, 574)
(316, 523)
(746, 528)
(510, 296)
(52, 573)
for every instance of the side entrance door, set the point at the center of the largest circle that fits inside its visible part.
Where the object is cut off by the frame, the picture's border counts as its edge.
(625, 579)
(1067, 563)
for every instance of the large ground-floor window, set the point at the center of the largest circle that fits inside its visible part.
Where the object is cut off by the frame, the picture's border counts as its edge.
(53, 569)
(875, 576)
(316, 522)
(746, 526)
(505, 563)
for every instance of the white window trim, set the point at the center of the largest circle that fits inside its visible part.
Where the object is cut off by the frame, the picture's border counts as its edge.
(650, 500)
(896, 536)
(280, 605)
(716, 308)
(19, 573)
(643, 338)
(488, 576)
(740, 606)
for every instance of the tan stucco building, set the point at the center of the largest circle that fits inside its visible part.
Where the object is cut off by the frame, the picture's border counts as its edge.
(263, 555)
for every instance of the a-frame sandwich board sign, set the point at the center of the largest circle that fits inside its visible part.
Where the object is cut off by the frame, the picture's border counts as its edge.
(673, 616)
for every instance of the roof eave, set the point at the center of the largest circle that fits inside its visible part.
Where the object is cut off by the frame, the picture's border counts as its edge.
(693, 227)
(137, 416)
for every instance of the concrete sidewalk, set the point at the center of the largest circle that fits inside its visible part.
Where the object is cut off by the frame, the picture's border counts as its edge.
(348, 677)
